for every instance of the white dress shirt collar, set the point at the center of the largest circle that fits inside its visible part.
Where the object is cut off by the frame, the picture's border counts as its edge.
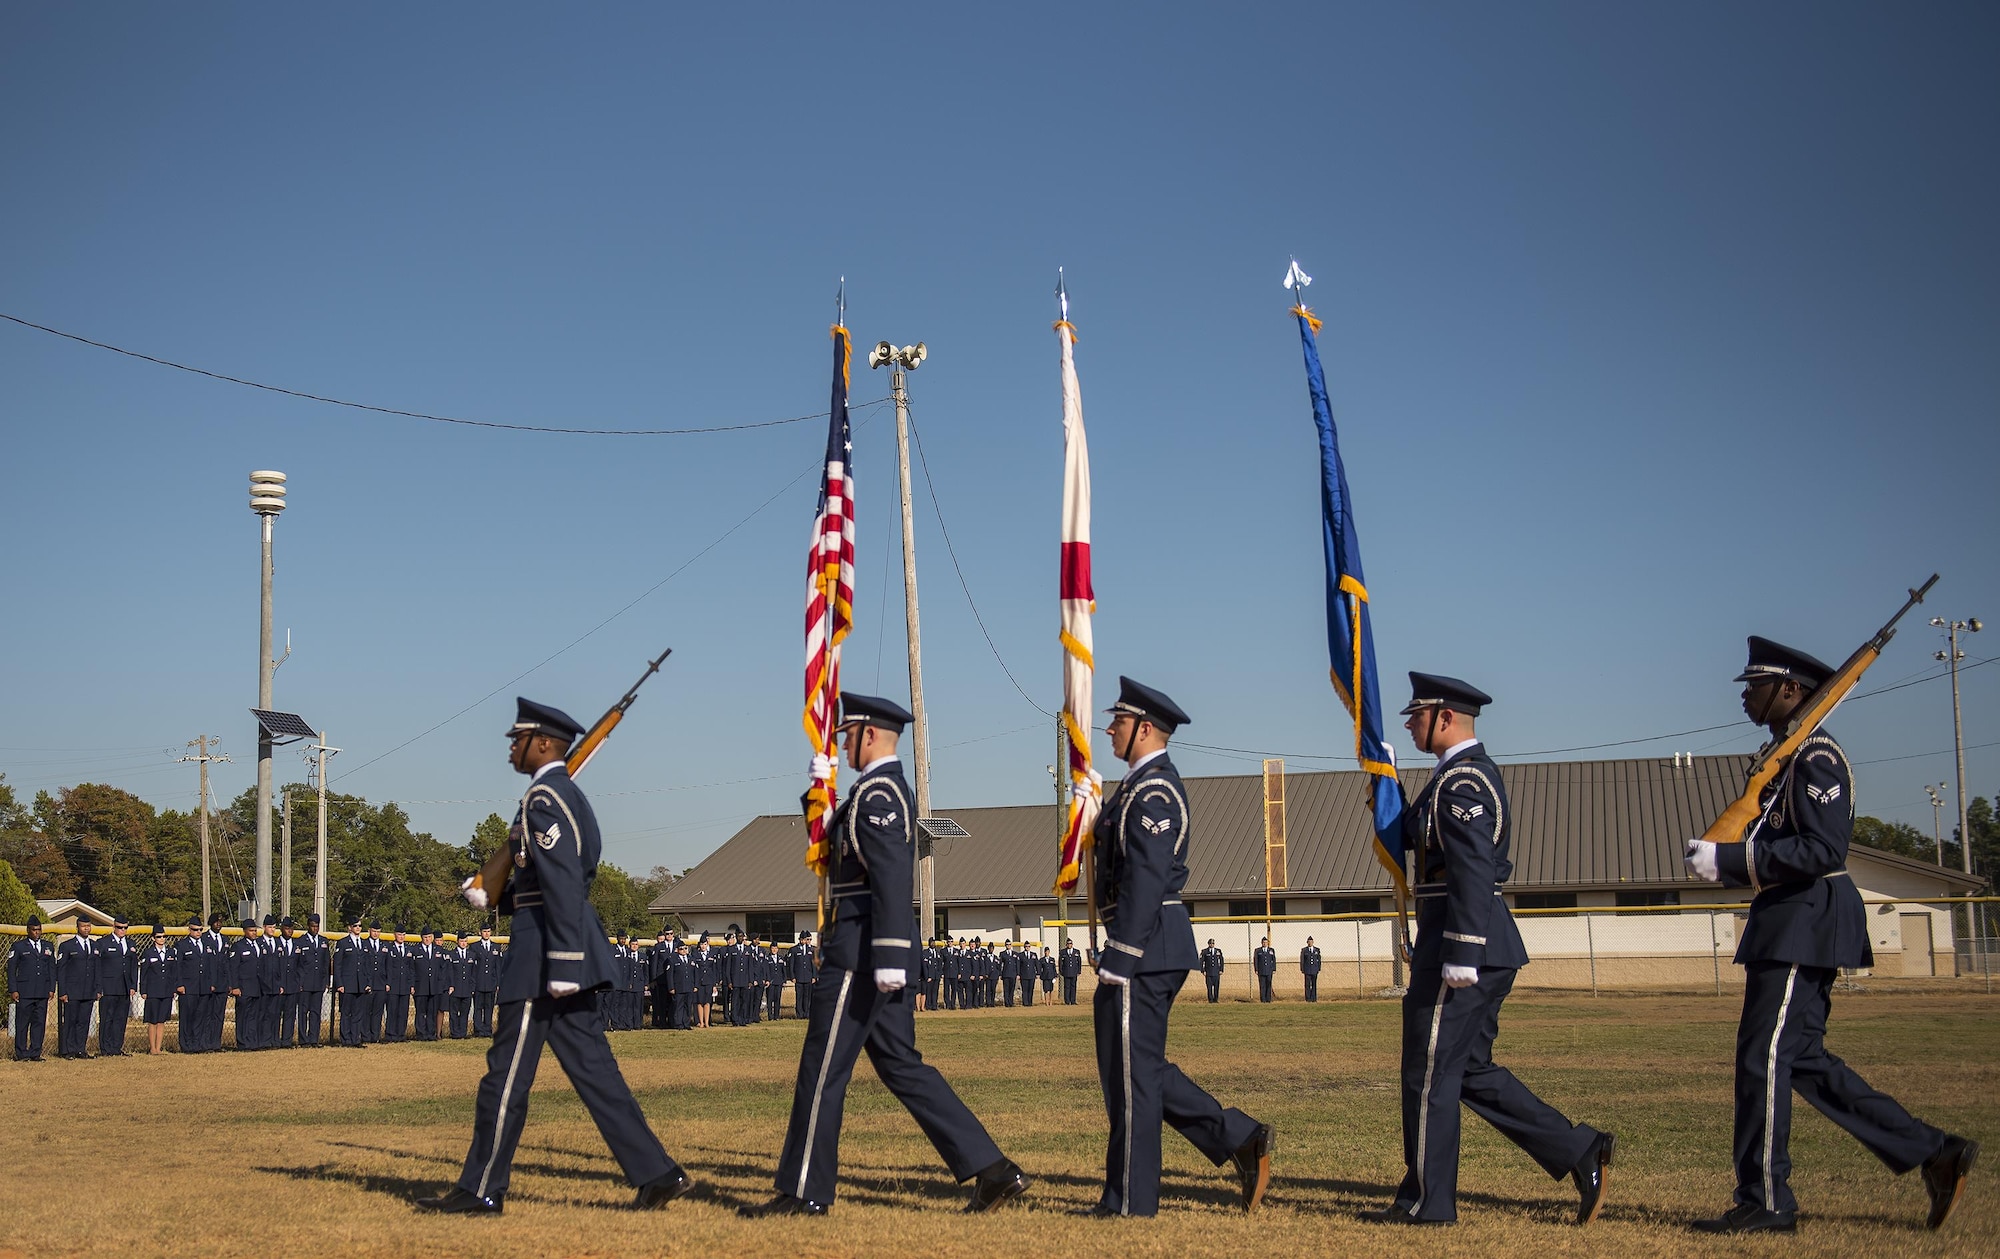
(880, 760)
(1153, 755)
(1455, 749)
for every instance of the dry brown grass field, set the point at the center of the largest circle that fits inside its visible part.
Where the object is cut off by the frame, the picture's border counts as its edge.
(320, 1152)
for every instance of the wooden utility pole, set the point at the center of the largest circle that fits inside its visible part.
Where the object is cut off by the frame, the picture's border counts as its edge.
(322, 751)
(920, 749)
(203, 757)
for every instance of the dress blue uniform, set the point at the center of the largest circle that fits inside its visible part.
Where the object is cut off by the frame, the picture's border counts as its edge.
(462, 968)
(485, 982)
(188, 987)
(312, 969)
(1265, 962)
(869, 874)
(76, 985)
(1310, 963)
(31, 979)
(557, 939)
(157, 975)
(117, 979)
(246, 984)
(1459, 829)
(1212, 963)
(350, 970)
(429, 974)
(804, 961)
(1069, 966)
(1141, 851)
(1806, 922)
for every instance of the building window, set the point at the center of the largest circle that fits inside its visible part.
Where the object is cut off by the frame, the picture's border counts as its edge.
(1255, 909)
(1637, 900)
(1331, 905)
(776, 928)
(1545, 900)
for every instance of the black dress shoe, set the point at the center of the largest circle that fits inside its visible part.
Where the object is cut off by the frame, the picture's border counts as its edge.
(995, 1185)
(1588, 1177)
(783, 1204)
(1746, 1218)
(457, 1201)
(1253, 1165)
(658, 1193)
(1098, 1211)
(1944, 1177)
(1398, 1212)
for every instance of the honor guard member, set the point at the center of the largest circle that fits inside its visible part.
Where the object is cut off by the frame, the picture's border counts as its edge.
(485, 980)
(1467, 954)
(246, 984)
(1265, 962)
(862, 999)
(1806, 922)
(187, 987)
(1141, 847)
(117, 984)
(156, 973)
(1212, 963)
(312, 969)
(1069, 966)
(1309, 967)
(805, 970)
(77, 991)
(31, 978)
(558, 968)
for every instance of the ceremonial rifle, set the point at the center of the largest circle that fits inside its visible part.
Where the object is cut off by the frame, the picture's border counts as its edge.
(1738, 817)
(492, 877)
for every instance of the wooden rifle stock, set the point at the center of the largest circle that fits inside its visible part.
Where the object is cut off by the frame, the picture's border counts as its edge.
(492, 876)
(1737, 819)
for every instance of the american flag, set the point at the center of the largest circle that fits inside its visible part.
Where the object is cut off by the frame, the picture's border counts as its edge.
(1079, 601)
(829, 599)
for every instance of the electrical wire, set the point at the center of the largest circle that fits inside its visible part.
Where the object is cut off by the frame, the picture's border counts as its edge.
(724, 536)
(952, 551)
(414, 415)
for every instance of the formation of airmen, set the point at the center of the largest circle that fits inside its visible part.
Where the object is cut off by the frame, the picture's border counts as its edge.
(563, 980)
(962, 974)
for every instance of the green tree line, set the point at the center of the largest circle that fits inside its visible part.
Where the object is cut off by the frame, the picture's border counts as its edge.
(106, 847)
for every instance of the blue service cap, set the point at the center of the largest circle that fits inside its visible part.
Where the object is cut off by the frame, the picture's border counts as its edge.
(533, 718)
(249, 925)
(1769, 660)
(1433, 690)
(873, 710)
(1147, 704)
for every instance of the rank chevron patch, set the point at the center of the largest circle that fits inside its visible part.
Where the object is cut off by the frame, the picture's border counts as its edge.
(1825, 795)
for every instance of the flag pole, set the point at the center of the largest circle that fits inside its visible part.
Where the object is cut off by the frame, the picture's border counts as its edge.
(827, 600)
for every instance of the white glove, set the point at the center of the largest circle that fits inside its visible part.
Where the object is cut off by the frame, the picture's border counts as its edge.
(475, 895)
(822, 767)
(1116, 981)
(559, 988)
(1082, 791)
(1389, 750)
(889, 978)
(1456, 976)
(1700, 861)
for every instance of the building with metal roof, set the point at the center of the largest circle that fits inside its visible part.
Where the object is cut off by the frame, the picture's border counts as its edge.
(1586, 835)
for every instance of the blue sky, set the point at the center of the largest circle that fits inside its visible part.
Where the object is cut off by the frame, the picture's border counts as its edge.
(1646, 329)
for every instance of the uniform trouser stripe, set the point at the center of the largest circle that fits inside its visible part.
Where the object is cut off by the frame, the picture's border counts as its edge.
(819, 1086)
(1125, 1049)
(506, 1096)
(1424, 1099)
(1771, 1089)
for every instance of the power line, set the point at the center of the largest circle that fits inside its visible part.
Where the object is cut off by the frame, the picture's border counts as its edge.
(931, 487)
(724, 536)
(414, 415)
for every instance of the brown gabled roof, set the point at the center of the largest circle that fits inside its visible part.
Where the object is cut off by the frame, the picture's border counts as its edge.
(1577, 824)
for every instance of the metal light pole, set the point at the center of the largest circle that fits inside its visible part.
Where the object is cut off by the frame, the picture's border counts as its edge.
(1937, 826)
(267, 499)
(910, 357)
